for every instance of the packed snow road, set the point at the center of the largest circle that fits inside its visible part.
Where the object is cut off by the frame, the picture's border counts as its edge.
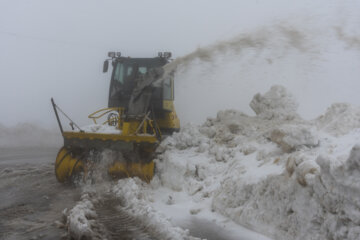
(33, 204)
(31, 200)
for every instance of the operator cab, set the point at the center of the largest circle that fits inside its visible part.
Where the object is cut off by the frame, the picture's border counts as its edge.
(126, 71)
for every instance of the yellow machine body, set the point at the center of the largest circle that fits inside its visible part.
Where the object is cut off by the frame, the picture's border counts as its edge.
(67, 165)
(138, 136)
(133, 146)
(170, 119)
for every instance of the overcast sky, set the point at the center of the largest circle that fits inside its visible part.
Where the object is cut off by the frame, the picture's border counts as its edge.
(56, 48)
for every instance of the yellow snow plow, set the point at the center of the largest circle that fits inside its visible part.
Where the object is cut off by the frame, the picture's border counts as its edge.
(140, 113)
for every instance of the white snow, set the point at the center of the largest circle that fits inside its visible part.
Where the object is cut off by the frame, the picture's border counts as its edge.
(339, 119)
(101, 128)
(276, 103)
(274, 173)
(136, 198)
(81, 218)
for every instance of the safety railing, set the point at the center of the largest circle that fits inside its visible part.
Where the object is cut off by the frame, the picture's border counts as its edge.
(102, 112)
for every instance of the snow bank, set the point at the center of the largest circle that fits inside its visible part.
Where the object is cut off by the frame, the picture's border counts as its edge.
(310, 200)
(275, 173)
(337, 190)
(133, 194)
(277, 103)
(339, 119)
(28, 135)
(292, 137)
(82, 221)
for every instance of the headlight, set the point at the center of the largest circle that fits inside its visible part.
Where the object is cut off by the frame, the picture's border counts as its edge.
(111, 54)
(167, 55)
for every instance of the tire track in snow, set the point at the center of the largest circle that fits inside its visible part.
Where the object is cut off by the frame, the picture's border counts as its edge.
(118, 224)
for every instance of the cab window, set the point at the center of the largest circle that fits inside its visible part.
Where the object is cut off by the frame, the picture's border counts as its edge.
(129, 71)
(168, 89)
(119, 73)
(143, 70)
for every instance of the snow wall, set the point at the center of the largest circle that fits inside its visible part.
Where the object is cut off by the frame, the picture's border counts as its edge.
(275, 172)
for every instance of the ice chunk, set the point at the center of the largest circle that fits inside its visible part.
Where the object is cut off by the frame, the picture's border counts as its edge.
(339, 119)
(292, 137)
(277, 103)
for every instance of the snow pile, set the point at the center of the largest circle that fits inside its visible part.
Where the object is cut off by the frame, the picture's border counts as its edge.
(82, 221)
(338, 192)
(275, 173)
(133, 193)
(310, 200)
(101, 128)
(277, 103)
(339, 119)
(293, 137)
(28, 135)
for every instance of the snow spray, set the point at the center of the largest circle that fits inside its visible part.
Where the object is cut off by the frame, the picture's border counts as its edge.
(257, 40)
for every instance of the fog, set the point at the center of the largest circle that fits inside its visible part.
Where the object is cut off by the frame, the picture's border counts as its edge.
(225, 53)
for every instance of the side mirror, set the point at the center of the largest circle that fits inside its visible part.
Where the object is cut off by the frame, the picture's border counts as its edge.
(106, 66)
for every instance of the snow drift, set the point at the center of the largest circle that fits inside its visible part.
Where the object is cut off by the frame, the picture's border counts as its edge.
(82, 221)
(275, 173)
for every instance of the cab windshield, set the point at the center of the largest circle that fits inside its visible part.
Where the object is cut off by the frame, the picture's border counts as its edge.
(124, 71)
(124, 78)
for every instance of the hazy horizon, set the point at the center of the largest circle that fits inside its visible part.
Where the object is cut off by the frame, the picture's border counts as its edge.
(56, 49)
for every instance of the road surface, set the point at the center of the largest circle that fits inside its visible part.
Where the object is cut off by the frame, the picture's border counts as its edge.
(32, 202)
